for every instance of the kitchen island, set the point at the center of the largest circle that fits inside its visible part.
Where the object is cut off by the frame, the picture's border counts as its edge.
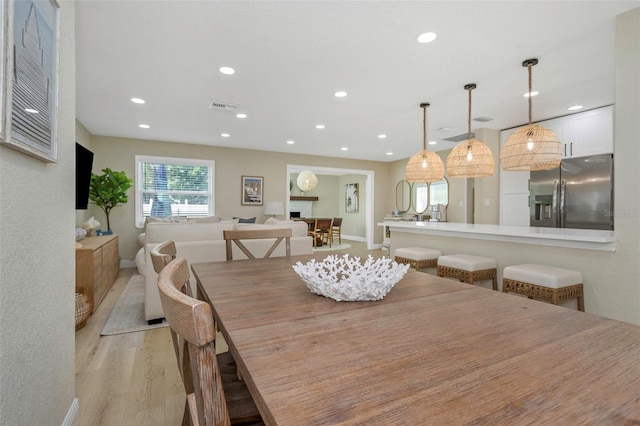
(588, 251)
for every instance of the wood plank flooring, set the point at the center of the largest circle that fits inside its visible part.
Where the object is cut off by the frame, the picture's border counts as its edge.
(132, 379)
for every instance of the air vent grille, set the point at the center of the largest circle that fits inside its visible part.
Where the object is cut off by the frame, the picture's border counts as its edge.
(483, 119)
(460, 138)
(223, 106)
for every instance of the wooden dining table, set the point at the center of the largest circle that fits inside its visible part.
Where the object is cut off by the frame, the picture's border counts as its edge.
(432, 352)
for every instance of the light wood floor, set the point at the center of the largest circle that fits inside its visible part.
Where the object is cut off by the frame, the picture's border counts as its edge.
(132, 379)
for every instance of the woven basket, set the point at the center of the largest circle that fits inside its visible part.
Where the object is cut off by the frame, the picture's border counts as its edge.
(83, 310)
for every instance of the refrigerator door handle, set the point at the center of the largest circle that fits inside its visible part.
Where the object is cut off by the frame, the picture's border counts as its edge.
(563, 212)
(554, 205)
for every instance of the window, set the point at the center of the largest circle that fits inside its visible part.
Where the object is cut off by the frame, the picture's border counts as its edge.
(439, 193)
(173, 187)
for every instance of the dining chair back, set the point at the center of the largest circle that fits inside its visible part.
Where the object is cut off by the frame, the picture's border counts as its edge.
(215, 395)
(322, 232)
(336, 229)
(236, 236)
(161, 255)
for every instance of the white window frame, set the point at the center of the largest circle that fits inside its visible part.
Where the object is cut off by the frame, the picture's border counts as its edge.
(139, 218)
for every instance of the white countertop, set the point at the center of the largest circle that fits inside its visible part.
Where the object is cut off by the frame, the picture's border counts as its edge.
(590, 239)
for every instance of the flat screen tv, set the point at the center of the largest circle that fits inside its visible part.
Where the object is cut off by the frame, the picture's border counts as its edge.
(84, 163)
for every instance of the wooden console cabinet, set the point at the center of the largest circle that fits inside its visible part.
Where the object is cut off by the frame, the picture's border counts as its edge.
(97, 266)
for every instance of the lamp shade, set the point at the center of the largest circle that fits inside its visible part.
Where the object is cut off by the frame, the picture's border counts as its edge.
(531, 147)
(274, 208)
(470, 159)
(424, 166)
(307, 180)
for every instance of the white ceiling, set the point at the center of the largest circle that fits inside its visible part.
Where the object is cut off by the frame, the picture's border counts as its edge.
(291, 56)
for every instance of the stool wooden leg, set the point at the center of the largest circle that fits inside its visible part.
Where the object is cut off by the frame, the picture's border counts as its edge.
(495, 283)
(581, 303)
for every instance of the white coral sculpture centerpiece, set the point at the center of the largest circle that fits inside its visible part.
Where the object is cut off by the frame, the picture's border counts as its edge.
(346, 279)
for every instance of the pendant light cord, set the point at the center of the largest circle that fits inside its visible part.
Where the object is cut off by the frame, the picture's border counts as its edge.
(424, 126)
(529, 65)
(469, 118)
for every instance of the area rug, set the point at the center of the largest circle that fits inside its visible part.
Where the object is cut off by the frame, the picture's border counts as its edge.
(127, 315)
(333, 247)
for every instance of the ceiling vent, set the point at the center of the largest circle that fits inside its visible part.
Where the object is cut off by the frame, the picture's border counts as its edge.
(483, 119)
(223, 106)
(460, 138)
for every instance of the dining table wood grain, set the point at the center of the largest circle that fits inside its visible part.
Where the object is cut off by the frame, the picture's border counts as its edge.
(432, 351)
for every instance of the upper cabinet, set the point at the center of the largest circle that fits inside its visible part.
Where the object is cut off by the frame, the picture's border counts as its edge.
(588, 133)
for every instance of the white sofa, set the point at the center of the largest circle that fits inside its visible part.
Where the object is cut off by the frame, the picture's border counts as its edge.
(203, 242)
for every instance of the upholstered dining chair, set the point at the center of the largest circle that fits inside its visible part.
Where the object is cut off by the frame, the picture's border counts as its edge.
(336, 228)
(236, 236)
(322, 231)
(215, 395)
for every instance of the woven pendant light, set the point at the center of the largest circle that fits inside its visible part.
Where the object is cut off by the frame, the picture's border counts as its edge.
(470, 158)
(424, 166)
(531, 147)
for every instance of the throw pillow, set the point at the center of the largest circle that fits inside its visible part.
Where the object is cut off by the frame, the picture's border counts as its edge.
(246, 219)
(271, 221)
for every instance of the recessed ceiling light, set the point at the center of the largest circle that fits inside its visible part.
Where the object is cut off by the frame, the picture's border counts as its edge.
(31, 110)
(574, 107)
(225, 135)
(426, 37)
(291, 142)
(382, 136)
(137, 100)
(533, 93)
(340, 94)
(433, 142)
(227, 70)
(389, 153)
(144, 126)
(319, 126)
(241, 115)
(344, 148)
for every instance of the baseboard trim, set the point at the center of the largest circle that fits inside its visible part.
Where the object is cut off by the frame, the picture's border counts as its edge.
(352, 238)
(71, 419)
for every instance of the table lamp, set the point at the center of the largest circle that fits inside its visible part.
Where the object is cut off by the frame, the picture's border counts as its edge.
(273, 208)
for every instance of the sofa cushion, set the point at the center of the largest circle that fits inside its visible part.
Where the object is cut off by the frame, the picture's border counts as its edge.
(206, 219)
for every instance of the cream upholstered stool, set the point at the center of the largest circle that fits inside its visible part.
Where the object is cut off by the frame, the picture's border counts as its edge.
(418, 257)
(468, 268)
(544, 282)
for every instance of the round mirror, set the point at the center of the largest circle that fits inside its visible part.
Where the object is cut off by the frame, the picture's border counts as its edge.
(439, 192)
(420, 197)
(403, 196)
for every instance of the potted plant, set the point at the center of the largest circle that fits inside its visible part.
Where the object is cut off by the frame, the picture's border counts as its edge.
(108, 190)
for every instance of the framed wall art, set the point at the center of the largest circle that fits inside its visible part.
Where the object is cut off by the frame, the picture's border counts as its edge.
(31, 106)
(252, 190)
(351, 198)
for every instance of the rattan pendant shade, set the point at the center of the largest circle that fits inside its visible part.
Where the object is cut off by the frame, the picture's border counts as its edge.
(424, 166)
(531, 147)
(470, 158)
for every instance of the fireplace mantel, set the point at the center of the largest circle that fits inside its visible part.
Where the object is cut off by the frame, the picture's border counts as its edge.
(302, 198)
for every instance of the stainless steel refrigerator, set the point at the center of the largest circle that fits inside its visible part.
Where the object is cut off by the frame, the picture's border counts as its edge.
(578, 194)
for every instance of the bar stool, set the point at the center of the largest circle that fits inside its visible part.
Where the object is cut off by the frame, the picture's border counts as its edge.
(544, 282)
(468, 268)
(418, 257)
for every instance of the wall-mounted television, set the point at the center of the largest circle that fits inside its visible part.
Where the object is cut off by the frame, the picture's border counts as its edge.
(84, 164)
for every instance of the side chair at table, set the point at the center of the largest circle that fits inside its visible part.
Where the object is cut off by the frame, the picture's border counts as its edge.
(215, 395)
(322, 231)
(237, 236)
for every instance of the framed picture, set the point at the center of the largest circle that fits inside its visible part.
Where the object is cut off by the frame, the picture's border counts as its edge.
(252, 187)
(31, 106)
(351, 198)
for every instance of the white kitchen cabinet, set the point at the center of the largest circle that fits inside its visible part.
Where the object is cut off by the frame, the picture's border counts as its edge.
(588, 133)
(514, 192)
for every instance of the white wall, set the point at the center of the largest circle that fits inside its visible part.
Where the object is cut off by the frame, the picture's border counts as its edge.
(37, 272)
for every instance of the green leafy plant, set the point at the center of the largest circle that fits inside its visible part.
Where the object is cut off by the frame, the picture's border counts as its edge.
(108, 190)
